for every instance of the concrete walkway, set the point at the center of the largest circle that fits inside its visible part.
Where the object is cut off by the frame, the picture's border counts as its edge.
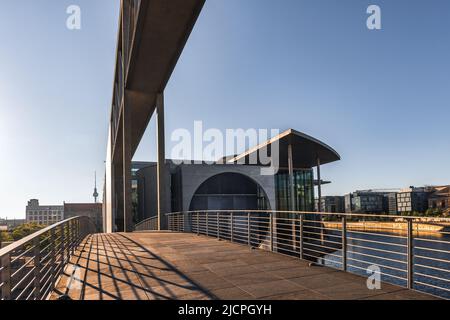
(186, 266)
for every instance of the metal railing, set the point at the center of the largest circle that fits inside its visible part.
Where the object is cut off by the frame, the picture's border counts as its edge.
(408, 251)
(30, 267)
(150, 224)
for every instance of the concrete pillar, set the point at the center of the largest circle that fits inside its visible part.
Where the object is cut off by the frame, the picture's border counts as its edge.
(161, 151)
(126, 164)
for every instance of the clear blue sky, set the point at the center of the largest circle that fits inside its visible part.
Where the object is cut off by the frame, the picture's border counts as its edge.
(380, 98)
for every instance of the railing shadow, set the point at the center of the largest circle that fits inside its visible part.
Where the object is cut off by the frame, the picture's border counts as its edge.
(115, 267)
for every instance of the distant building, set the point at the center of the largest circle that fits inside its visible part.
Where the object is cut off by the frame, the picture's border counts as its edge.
(371, 201)
(392, 203)
(91, 210)
(413, 199)
(44, 215)
(332, 204)
(348, 203)
(440, 199)
(8, 224)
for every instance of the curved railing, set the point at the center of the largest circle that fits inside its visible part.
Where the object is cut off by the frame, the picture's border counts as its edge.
(413, 252)
(30, 267)
(150, 224)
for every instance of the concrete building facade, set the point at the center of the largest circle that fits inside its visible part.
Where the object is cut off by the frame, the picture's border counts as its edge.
(43, 214)
(91, 210)
(440, 199)
(332, 204)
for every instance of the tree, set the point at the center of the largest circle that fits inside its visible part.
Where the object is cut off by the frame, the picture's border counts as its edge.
(25, 230)
(5, 237)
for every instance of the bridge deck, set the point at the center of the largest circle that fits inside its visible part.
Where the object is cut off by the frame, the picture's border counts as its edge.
(185, 266)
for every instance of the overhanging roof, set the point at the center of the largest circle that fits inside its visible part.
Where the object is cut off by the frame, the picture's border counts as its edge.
(162, 29)
(305, 150)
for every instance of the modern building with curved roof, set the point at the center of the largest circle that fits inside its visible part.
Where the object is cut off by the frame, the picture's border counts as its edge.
(239, 184)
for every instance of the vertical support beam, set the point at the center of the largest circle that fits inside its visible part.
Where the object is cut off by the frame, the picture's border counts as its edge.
(292, 194)
(291, 178)
(161, 151)
(319, 186)
(410, 253)
(126, 168)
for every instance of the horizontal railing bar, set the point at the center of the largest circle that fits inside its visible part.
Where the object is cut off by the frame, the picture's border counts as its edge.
(339, 214)
(432, 277)
(16, 258)
(25, 289)
(21, 268)
(378, 242)
(377, 234)
(432, 286)
(23, 279)
(376, 249)
(433, 268)
(379, 265)
(432, 240)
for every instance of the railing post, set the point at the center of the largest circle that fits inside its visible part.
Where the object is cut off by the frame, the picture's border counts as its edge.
(218, 226)
(71, 237)
(37, 268)
(232, 226)
(301, 235)
(198, 224)
(271, 231)
(248, 229)
(344, 243)
(63, 247)
(5, 276)
(207, 223)
(52, 257)
(410, 253)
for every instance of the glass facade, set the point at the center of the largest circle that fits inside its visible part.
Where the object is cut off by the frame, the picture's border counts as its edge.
(303, 190)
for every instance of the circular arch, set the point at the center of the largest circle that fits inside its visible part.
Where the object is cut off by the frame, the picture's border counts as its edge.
(229, 191)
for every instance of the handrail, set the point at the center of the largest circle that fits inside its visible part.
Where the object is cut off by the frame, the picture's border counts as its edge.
(149, 224)
(23, 262)
(317, 213)
(409, 251)
(19, 243)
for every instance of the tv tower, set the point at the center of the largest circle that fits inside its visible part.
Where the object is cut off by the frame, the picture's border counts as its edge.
(95, 195)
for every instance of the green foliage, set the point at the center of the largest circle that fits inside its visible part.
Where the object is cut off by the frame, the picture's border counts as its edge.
(25, 230)
(5, 236)
(434, 212)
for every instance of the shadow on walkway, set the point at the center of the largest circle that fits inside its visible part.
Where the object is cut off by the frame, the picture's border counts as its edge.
(115, 267)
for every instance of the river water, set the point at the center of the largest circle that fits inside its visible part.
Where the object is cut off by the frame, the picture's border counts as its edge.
(388, 251)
